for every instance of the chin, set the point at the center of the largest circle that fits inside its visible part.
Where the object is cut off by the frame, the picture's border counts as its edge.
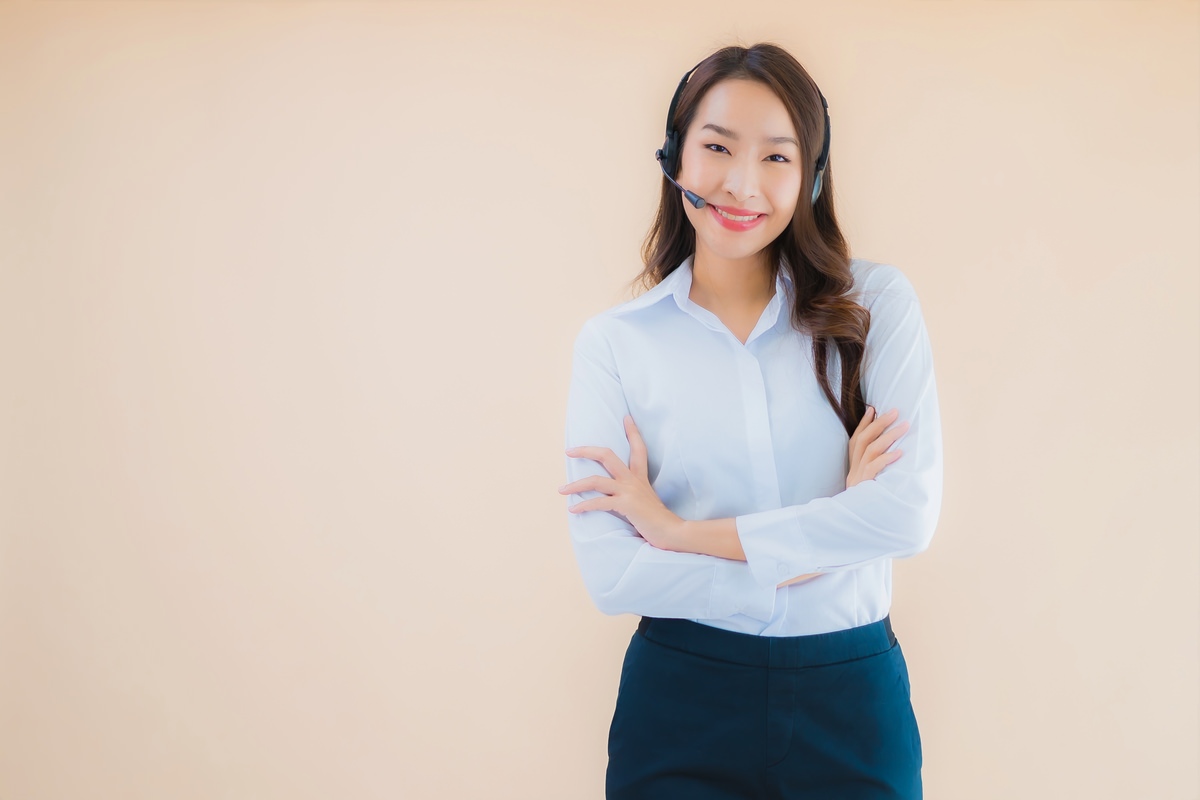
(733, 253)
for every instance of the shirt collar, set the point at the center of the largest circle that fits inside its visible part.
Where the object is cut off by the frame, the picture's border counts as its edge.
(680, 285)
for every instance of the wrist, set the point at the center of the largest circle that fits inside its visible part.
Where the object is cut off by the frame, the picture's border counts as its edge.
(678, 532)
(713, 537)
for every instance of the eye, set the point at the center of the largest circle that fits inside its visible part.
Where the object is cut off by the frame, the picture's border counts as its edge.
(785, 160)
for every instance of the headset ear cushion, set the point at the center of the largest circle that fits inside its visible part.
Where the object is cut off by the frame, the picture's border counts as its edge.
(671, 153)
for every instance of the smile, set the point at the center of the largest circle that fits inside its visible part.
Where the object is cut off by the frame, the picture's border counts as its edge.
(733, 222)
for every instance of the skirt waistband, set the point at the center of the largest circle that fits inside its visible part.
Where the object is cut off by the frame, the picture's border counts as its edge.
(808, 650)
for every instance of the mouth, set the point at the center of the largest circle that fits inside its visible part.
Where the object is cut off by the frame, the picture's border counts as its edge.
(734, 221)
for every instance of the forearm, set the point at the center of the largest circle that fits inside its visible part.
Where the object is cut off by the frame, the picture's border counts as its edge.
(718, 537)
(714, 537)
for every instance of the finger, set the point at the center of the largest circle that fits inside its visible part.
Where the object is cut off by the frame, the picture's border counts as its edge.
(863, 433)
(594, 504)
(886, 440)
(604, 455)
(880, 423)
(877, 464)
(858, 444)
(897, 431)
(867, 416)
(586, 505)
(889, 437)
(592, 483)
(637, 449)
(885, 418)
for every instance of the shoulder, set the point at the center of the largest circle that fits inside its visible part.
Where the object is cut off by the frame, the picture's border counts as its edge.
(627, 318)
(878, 284)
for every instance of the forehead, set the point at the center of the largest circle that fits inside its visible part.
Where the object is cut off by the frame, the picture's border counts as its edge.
(747, 107)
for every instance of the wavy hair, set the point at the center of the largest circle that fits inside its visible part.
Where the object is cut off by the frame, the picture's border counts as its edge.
(812, 249)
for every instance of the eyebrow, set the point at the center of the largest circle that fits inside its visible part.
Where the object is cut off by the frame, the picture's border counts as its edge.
(769, 139)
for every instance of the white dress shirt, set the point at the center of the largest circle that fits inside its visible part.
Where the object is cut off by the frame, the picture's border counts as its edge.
(744, 431)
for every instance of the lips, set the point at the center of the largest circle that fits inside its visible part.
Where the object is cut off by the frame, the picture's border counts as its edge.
(738, 212)
(731, 225)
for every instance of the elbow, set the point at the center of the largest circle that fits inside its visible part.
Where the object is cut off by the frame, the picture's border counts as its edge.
(921, 509)
(921, 540)
(606, 604)
(605, 597)
(920, 530)
(604, 561)
(609, 610)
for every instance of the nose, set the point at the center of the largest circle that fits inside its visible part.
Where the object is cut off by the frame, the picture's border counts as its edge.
(742, 179)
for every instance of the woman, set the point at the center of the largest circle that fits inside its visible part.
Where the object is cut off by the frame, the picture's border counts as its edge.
(728, 482)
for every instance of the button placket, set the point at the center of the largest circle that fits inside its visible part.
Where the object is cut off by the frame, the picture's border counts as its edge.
(758, 431)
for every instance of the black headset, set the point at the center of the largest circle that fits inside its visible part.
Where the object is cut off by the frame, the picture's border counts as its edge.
(668, 154)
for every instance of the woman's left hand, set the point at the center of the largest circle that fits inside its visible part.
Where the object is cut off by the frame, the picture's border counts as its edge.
(629, 491)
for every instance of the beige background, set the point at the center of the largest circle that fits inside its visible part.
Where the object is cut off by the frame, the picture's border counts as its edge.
(287, 297)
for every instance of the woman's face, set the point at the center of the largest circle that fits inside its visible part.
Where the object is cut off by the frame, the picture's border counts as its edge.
(730, 160)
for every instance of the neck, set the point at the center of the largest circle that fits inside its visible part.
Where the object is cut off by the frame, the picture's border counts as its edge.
(731, 284)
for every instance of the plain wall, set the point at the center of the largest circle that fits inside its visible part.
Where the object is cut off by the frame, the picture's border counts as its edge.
(287, 298)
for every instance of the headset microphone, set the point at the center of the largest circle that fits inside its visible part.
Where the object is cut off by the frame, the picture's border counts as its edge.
(668, 154)
(692, 197)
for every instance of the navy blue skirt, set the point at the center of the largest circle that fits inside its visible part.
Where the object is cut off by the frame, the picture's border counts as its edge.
(704, 713)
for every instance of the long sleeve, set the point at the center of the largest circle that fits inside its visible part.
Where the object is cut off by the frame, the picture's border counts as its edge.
(623, 572)
(894, 515)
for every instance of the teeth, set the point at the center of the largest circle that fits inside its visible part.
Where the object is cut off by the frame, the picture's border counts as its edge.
(736, 219)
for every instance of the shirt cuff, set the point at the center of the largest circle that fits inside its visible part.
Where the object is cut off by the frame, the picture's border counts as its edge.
(770, 539)
(735, 590)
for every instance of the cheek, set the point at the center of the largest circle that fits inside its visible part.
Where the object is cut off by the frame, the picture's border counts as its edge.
(702, 173)
(785, 209)
(779, 222)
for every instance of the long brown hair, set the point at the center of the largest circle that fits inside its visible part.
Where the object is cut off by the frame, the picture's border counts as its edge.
(812, 248)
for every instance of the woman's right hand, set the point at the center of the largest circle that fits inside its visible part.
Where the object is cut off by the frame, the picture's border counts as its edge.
(868, 457)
